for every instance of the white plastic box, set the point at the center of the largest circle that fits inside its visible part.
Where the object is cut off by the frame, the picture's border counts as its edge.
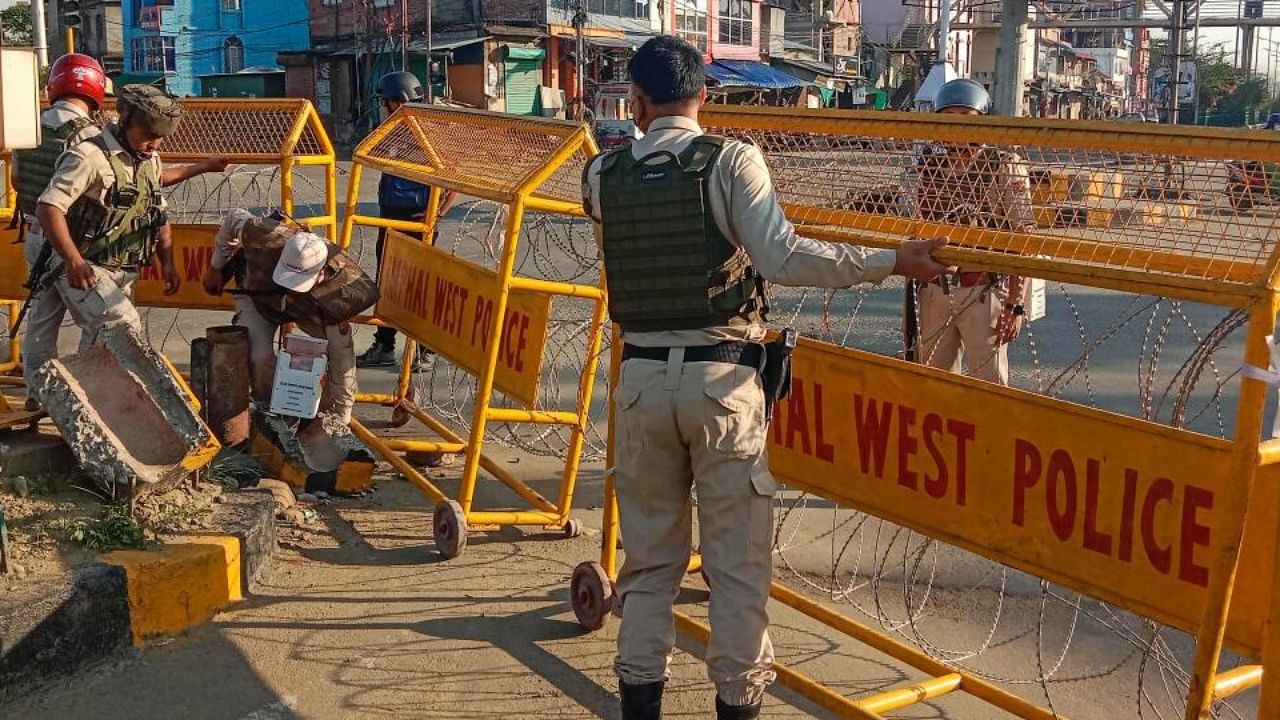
(300, 368)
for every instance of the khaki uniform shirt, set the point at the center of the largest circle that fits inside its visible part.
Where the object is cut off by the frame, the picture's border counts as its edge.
(84, 169)
(747, 212)
(994, 194)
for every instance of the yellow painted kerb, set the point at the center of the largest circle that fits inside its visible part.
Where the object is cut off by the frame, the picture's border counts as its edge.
(180, 585)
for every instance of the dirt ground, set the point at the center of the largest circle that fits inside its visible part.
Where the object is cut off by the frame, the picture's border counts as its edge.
(59, 523)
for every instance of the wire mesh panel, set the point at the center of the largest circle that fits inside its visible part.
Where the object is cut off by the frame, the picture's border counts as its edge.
(491, 156)
(265, 130)
(1143, 245)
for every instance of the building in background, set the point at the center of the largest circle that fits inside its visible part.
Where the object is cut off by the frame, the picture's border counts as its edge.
(900, 44)
(177, 41)
(100, 32)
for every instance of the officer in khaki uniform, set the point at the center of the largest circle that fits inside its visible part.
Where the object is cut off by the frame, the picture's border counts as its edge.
(103, 213)
(77, 87)
(690, 231)
(284, 275)
(972, 314)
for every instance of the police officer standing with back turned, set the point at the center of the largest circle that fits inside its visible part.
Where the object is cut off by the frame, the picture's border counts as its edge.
(691, 230)
(103, 213)
(398, 199)
(972, 314)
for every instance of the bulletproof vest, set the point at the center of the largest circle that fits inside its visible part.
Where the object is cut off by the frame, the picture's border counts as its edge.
(120, 231)
(668, 266)
(347, 292)
(35, 167)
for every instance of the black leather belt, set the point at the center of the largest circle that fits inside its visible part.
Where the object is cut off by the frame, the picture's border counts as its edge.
(734, 353)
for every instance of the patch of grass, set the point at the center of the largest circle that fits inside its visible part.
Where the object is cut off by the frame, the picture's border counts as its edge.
(112, 530)
(233, 469)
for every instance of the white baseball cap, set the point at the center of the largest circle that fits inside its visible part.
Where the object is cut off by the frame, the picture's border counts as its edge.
(301, 261)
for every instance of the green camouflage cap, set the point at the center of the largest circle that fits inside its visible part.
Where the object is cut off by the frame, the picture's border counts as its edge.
(150, 106)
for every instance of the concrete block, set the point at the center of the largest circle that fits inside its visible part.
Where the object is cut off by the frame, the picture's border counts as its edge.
(34, 455)
(1050, 187)
(126, 418)
(349, 462)
(1097, 184)
(1134, 213)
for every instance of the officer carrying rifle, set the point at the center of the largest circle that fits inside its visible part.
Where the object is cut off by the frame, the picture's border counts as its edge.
(103, 217)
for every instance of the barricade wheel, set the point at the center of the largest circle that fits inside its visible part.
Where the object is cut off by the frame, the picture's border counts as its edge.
(573, 528)
(450, 529)
(591, 594)
(400, 414)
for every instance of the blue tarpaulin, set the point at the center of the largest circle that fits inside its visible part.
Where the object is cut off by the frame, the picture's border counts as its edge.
(749, 73)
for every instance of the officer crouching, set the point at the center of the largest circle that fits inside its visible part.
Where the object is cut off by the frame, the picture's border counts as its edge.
(285, 274)
(690, 231)
(103, 214)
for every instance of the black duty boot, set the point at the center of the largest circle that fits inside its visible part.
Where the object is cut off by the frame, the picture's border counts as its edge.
(738, 712)
(641, 702)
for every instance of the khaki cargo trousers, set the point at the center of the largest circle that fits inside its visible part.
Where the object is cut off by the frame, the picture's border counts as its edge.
(339, 396)
(108, 303)
(961, 324)
(684, 427)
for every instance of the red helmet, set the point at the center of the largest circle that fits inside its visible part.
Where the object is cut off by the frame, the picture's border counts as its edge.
(80, 75)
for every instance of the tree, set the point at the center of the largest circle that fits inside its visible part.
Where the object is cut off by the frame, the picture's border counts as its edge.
(17, 24)
(1226, 95)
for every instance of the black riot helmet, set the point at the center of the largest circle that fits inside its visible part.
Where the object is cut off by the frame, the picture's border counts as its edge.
(962, 93)
(401, 87)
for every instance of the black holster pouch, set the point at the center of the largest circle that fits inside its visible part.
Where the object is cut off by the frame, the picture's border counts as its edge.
(776, 375)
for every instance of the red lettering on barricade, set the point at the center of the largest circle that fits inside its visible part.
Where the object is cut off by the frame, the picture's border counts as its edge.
(1193, 535)
(935, 485)
(964, 433)
(1128, 512)
(1094, 539)
(908, 445)
(1061, 518)
(1026, 473)
(1161, 557)
(434, 297)
(873, 433)
(797, 419)
(194, 262)
(826, 451)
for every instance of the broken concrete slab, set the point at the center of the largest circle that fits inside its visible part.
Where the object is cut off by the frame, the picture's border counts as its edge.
(125, 417)
(334, 461)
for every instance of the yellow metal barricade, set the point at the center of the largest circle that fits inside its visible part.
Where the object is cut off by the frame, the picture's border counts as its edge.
(1143, 515)
(490, 323)
(285, 134)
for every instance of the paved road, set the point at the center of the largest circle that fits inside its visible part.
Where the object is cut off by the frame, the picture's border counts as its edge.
(360, 619)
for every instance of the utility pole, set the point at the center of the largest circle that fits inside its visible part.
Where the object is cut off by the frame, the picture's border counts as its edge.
(1178, 26)
(404, 35)
(38, 32)
(580, 56)
(430, 60)
(1009, 69)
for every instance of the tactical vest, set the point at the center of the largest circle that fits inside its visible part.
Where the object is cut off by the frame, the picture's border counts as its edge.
(35, 167)
(121, 231)
(346, 293)
(668, 266)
